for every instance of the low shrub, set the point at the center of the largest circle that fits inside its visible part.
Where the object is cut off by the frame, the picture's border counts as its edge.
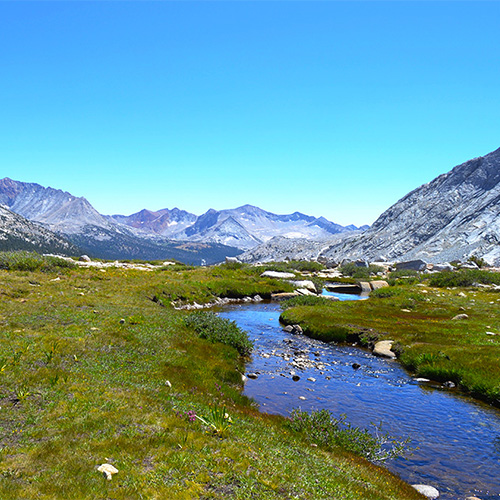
(31, 261)
(216, 329)
(320, 428)
(464, 278)
(354, 271)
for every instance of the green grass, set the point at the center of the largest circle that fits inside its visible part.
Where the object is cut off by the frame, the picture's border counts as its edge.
(292, 266)
(79, 388)
(420, 319)
(203, 285)
(30, 261)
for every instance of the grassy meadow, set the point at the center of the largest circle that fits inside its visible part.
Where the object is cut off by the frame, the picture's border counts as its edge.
(418, 312)
(97, 367)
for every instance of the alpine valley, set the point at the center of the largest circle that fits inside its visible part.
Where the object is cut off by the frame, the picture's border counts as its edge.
(162, 234)
(453, 217)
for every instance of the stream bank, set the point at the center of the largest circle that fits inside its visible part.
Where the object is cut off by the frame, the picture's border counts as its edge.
(457, 439)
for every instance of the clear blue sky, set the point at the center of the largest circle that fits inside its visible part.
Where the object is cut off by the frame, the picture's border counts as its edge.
(329, 108)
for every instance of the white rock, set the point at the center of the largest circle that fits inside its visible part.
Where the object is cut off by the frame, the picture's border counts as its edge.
(277, 275)
(428, 491)
(107, 470)
(383, 348)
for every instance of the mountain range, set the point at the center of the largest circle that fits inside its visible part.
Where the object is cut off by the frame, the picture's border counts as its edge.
(453, 217)
(158, 234)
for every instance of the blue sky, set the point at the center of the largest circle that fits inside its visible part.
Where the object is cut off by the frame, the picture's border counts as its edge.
(329, 108)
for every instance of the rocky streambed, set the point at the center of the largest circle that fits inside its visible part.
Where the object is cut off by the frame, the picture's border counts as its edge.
(456, 440)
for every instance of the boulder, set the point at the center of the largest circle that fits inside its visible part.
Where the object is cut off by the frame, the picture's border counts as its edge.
(305, 284)
(288, 328)
(412, 265)
(343, 288)
(446, 266)
(375, 285)
(277, 275)
(460, 317)
(84, 258)
(304, 291)
(252, 376)
(361, 263)
(428, 491)
(365, 286)
(383, 349)
(232, 260)
(468, 265)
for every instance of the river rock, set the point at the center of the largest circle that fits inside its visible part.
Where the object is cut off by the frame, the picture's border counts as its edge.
(356, 366)
(305, 284)
(288, 328)
(375, 285)
(413, 265)
(428, 491)
(460, 317)
(277, 275)
(383, 349)
(258, 298)
(297, 329)
(304, 291)
(295, 378)
(252, 376)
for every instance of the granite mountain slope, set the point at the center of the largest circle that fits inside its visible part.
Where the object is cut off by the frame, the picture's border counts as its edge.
(18, 233)
(453, 217)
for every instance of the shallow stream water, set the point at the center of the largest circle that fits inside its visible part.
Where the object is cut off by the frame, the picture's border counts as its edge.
(457, 439)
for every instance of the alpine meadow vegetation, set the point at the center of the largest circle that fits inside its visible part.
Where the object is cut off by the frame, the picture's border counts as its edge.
(93, 371)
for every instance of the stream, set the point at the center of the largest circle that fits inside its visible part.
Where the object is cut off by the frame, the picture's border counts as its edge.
(455, 440)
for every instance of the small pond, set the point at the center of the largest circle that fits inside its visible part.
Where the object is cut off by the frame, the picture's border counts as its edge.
(457, 439)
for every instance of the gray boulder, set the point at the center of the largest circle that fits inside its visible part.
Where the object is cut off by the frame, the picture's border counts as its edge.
(412, 265)
(442, 267)
(375, 285)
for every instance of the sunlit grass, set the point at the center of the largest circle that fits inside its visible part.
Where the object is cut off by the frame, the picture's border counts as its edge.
(79, 388)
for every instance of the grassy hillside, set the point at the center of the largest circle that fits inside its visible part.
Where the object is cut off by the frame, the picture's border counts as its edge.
(94, 371)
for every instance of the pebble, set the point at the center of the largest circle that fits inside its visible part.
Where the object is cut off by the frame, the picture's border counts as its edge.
(108, 470)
